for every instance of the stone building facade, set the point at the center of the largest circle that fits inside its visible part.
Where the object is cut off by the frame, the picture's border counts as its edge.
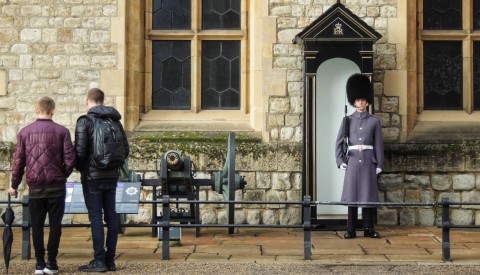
(61, 48)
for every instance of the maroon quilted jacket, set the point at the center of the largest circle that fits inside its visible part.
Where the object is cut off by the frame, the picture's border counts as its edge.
(45, 149)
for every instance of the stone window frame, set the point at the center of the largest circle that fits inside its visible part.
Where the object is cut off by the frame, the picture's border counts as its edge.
(415, 37)
(196, 35)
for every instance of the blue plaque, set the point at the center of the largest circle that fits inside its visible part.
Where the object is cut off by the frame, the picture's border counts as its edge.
(127, 198)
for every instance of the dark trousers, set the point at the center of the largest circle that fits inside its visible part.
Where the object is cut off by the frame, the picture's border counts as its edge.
(55, 207)
(100, 197)
(368, 216)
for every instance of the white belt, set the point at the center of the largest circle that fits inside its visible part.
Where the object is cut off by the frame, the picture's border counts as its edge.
(360, 147)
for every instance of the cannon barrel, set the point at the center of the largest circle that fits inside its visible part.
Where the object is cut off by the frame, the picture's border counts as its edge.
(174, 160)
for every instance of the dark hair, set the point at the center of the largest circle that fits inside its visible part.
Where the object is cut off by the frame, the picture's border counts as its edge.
(96, 95)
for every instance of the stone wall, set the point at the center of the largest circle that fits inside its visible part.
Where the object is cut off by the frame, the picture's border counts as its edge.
(54, 48)
(428, 173)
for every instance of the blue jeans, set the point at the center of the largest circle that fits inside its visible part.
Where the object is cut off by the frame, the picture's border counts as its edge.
(100, 196)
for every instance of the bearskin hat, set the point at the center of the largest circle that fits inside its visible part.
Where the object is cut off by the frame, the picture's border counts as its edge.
(359, 87)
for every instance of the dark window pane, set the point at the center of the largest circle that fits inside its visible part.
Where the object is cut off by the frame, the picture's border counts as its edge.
(221, 14)
(476, 14)
(443, 89)
(171, 75)
(171, 15)
(476, 74)
(442, 14)
(221, 75)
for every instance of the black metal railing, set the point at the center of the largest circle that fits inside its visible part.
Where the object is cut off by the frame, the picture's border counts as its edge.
(166, 221)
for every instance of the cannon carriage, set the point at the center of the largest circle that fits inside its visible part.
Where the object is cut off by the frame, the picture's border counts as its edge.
(177, 179)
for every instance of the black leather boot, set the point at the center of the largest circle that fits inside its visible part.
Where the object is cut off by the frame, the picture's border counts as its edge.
(371, 233)
(350, 235)
(351, 223)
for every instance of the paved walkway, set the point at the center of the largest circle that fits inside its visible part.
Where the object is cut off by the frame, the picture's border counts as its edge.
(398, 245)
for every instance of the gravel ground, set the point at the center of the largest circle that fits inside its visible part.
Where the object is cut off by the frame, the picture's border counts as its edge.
(270, 268)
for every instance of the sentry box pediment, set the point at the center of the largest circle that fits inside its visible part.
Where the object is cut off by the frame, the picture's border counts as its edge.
(337, 24)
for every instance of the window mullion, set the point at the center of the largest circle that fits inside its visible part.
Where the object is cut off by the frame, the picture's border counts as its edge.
(467, 76)
(196, 75)
(196, 54)
(467, 15)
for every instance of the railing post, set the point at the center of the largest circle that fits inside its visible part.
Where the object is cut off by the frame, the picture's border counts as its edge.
(166, 228)
(154, 212)
(26, 246)
(445, 229)
(307, 235)
(197, 210)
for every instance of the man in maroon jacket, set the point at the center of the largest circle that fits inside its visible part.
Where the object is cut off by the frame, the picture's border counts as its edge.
(45, 149)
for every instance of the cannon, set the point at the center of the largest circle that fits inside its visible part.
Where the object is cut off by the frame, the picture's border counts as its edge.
(177, 180)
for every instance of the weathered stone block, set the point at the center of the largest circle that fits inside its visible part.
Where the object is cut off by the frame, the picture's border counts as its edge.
(387, 216)
(472, 197)
(394, 196)
(417, 181)
(407, 216)
(253, 216)
(477, 218)
(276, 196)
(263, 180)
(440, 182)
(412, 195)
(461, 217)
(426, 217)
(270, 216)
(290, 216)
(389, 182)
(463, 181)
(281, 181)
(208, 216)
(239, 217)
(427, 196)
(254, 195)
(453, 197)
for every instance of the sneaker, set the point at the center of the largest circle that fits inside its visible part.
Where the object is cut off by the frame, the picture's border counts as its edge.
(94, 266)
(39, 268)
(111, 266)
(51, 268)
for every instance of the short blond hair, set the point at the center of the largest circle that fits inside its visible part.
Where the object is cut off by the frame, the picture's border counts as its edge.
(46, 105)
(96, 95)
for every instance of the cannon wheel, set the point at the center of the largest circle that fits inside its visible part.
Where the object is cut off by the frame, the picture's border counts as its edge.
(231, 180)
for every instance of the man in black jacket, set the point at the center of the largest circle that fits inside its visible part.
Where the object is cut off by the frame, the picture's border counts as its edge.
(99, 184)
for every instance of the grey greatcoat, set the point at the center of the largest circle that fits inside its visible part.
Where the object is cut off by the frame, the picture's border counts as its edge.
(360, 183)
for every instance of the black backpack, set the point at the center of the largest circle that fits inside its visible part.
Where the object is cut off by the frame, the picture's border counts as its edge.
(108, 151)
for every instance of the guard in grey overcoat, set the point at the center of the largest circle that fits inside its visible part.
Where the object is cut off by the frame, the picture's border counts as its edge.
(364, 158)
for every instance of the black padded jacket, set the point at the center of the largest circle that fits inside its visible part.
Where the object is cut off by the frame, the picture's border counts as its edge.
(84, 144)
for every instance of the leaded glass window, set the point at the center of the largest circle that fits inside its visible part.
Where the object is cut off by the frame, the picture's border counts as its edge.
(476, 14)
(221, 75)
(221, 14)
(442, 14)
(171, 71)
(171, 14)
(198, 49)
(476, 74)
(443, 75)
